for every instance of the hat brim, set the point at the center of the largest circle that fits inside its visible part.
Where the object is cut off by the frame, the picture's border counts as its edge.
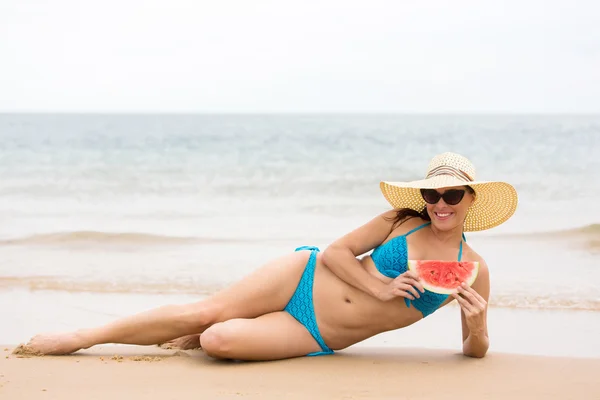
(495, 202)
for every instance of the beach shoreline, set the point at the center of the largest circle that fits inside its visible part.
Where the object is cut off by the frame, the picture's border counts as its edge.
(512, 330)
(148, 372)
(109, 215)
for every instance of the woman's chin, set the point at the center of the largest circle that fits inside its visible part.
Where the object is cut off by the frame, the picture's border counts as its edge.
(445, 223)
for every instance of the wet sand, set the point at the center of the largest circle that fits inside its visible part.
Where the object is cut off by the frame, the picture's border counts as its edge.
(132, 372)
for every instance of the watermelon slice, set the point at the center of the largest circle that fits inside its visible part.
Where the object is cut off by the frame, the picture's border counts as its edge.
(444, 276)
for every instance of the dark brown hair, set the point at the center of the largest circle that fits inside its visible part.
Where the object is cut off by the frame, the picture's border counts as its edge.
(404, 214)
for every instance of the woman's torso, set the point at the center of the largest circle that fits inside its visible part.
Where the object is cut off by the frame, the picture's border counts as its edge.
(347, 315)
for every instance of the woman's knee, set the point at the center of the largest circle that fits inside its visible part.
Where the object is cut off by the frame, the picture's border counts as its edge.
(219, 340)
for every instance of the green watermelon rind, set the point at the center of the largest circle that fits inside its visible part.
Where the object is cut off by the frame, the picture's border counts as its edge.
(412, 265)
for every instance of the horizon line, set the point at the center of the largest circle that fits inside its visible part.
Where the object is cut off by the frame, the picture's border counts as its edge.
(249, 113)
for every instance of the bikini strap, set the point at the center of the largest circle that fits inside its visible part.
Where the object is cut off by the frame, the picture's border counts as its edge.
(460, 251)
(417, 228)
(461, 246)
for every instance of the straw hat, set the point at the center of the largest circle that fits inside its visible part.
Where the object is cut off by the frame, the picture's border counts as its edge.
(495, 202)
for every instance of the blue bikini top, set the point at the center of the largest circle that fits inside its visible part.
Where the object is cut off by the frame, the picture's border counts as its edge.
(391, 259)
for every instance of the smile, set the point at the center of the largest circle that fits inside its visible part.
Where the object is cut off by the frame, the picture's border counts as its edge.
(443, 216)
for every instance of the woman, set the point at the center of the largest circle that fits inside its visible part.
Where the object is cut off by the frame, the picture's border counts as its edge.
(312, 303)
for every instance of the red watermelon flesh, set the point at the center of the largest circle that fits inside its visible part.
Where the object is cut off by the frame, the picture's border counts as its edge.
(444, 276)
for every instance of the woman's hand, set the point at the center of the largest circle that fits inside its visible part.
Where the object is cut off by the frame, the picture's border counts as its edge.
(473, 306)
(405, 285)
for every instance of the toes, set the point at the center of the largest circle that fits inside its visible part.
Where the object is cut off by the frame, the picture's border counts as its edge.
(172, 344)
(181, 344)
(26, 350)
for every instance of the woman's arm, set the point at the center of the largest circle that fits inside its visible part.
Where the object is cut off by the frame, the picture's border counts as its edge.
(473, 312)
(340, 258)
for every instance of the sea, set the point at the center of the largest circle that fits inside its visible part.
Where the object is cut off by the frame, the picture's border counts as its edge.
(104, 215)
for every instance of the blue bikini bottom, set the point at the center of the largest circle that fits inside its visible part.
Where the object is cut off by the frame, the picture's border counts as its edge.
(301, 306)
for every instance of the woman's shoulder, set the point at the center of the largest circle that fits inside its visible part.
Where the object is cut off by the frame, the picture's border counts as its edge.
(469, 254)
(405, 224)
(482, 282)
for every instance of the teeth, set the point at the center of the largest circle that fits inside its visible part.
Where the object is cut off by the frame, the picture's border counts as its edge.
(443, 215)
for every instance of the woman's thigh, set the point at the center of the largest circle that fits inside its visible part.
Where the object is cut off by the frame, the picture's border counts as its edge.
(273, 336)
(267, 289)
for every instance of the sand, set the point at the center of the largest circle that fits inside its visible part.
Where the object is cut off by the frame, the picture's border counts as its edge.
(133, 372)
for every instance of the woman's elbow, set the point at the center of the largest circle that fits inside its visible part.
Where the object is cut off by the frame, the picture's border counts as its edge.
(329, 254)
(475, 354)
(478, 351)
(476, 346)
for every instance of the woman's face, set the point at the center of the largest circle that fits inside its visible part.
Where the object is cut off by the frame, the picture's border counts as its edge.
(447, 207)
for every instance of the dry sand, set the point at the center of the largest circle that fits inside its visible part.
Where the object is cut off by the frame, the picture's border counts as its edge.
(130, 372)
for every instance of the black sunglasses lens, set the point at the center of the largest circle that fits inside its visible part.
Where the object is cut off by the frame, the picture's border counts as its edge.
(453, 197)
(430, 196)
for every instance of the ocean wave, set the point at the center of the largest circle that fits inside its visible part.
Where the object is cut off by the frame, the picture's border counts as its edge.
(56, 283)
(586, 237)
(574, 302)
(544, 302)
(115, 238)
(588, 231)
(592, 228)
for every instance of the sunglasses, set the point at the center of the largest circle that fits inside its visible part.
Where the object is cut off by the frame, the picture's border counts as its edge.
(451, 197)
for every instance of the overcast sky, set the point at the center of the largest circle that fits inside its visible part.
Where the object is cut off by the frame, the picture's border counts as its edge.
(300, 56)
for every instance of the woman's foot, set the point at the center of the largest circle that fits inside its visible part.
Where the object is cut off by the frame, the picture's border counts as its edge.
(188, 342)
(56, 344)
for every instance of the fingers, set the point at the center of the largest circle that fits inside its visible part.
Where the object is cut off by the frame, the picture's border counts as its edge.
(472, 295)
(409, 289)
(474, 292)
(467, 295)
(402, 293)
(470, 301)
(408, 284)
(464, 304)
(413, 279)
(418, 285)
(405, 288)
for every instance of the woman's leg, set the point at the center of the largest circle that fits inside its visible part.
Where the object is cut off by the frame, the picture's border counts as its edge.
(272, 336)
(266, 290)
